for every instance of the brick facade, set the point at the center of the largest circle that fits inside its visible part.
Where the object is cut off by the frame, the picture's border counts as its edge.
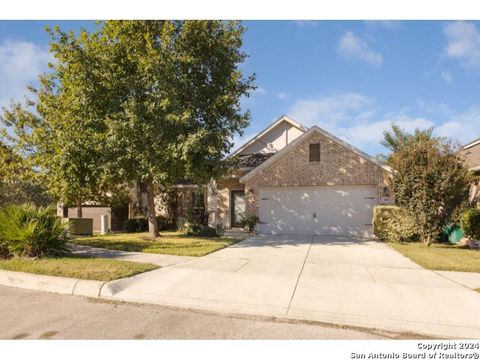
(337, 166)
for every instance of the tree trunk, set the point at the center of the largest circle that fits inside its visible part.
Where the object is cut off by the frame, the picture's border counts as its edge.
(79, 209)
(151, 215)
(428, 240)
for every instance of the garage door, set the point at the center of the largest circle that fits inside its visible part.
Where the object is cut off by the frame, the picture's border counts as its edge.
(332, 210)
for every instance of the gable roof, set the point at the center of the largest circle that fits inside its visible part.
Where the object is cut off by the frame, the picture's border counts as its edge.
(268, 129)
(295, 142)
(471, 144)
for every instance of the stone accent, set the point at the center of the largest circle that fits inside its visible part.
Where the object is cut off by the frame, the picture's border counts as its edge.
(337, 166)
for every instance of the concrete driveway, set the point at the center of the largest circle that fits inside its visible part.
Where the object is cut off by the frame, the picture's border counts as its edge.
(348, 281)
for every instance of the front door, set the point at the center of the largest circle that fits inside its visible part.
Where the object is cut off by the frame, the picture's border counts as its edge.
(237, 206)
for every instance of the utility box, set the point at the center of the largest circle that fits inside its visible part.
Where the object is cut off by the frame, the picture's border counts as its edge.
(104, 224)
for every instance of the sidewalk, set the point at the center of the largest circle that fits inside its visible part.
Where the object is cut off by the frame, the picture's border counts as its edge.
(467, 279)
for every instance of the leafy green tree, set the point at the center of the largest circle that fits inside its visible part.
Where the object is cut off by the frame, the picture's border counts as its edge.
(59, 132)
(173, 100)
(396, 138)
(430, 182)
(18, 183)
(147, 101)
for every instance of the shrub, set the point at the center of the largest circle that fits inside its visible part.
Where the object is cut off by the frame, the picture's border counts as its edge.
(140, 224)
(470, 223)
(392, 223)
(130, 225)
(431, 182)
(220, 229)
(136, 224)
(165, 223)
(201, 231)
(249, 222)
(29, 231)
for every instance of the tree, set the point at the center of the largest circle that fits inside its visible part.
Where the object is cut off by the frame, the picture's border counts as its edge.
(59, 132)
(18, 183)
(173, 99)
(135, 101)
(397, 138)
(430, 182)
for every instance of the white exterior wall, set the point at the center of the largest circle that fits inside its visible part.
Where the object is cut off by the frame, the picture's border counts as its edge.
(273, 141)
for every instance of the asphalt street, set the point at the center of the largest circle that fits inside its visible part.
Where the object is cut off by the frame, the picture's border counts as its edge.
(28, 314)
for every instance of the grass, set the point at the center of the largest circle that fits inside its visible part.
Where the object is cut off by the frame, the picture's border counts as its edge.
(169, 243)
(77, 267)
(440, 256)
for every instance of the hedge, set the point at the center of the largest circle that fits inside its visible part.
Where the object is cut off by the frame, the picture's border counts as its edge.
(140, 224)
(470, 223)
(392, 223)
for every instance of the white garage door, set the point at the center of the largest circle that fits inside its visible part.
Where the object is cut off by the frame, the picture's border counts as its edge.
(332, 210)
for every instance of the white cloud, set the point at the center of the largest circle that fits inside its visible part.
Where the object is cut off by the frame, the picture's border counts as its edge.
(434, 107)
(372, 132)
(446, 76)
(254, 96)
(353, 47)
(384, 24)
(259, 91)
(20, 64)
(329, 110)
(462, 127)
(282, 95)
(305, 23)
(358, 120)
(463, 42)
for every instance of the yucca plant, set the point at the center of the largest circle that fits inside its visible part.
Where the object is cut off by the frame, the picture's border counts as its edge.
(31, 231)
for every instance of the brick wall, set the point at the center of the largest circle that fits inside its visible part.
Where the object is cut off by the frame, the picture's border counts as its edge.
(338, 166)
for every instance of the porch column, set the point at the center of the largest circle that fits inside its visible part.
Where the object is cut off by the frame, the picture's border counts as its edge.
(212, 203)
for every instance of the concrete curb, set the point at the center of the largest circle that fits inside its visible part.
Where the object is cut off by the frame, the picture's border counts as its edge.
(55, 284)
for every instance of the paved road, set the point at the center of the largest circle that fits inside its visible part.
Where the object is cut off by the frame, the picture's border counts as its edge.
(28, 314)
(340, 280)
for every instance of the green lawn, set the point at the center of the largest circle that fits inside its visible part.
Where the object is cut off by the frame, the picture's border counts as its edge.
(169, 243)
(78, 267)
(440, 256)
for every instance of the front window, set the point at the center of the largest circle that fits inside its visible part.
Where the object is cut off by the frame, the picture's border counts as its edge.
(315, 152)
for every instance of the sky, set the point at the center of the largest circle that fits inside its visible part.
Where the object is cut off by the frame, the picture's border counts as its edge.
(351, 78)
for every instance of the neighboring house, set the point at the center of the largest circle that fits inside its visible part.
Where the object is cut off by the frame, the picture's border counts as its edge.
(90, 211)
(471, 154)
(297, 181)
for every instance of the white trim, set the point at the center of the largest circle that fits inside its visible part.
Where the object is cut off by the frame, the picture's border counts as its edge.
(266, 130)
(472, 144)
(475, 168)
(292, 145)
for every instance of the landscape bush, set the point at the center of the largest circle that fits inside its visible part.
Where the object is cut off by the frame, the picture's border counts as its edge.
(249, 222)
(470, 223)
(201, 231)
(30, 231)
(140, 224)
(392, 223)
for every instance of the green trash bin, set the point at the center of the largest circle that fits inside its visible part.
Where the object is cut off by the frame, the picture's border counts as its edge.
(453, 233)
